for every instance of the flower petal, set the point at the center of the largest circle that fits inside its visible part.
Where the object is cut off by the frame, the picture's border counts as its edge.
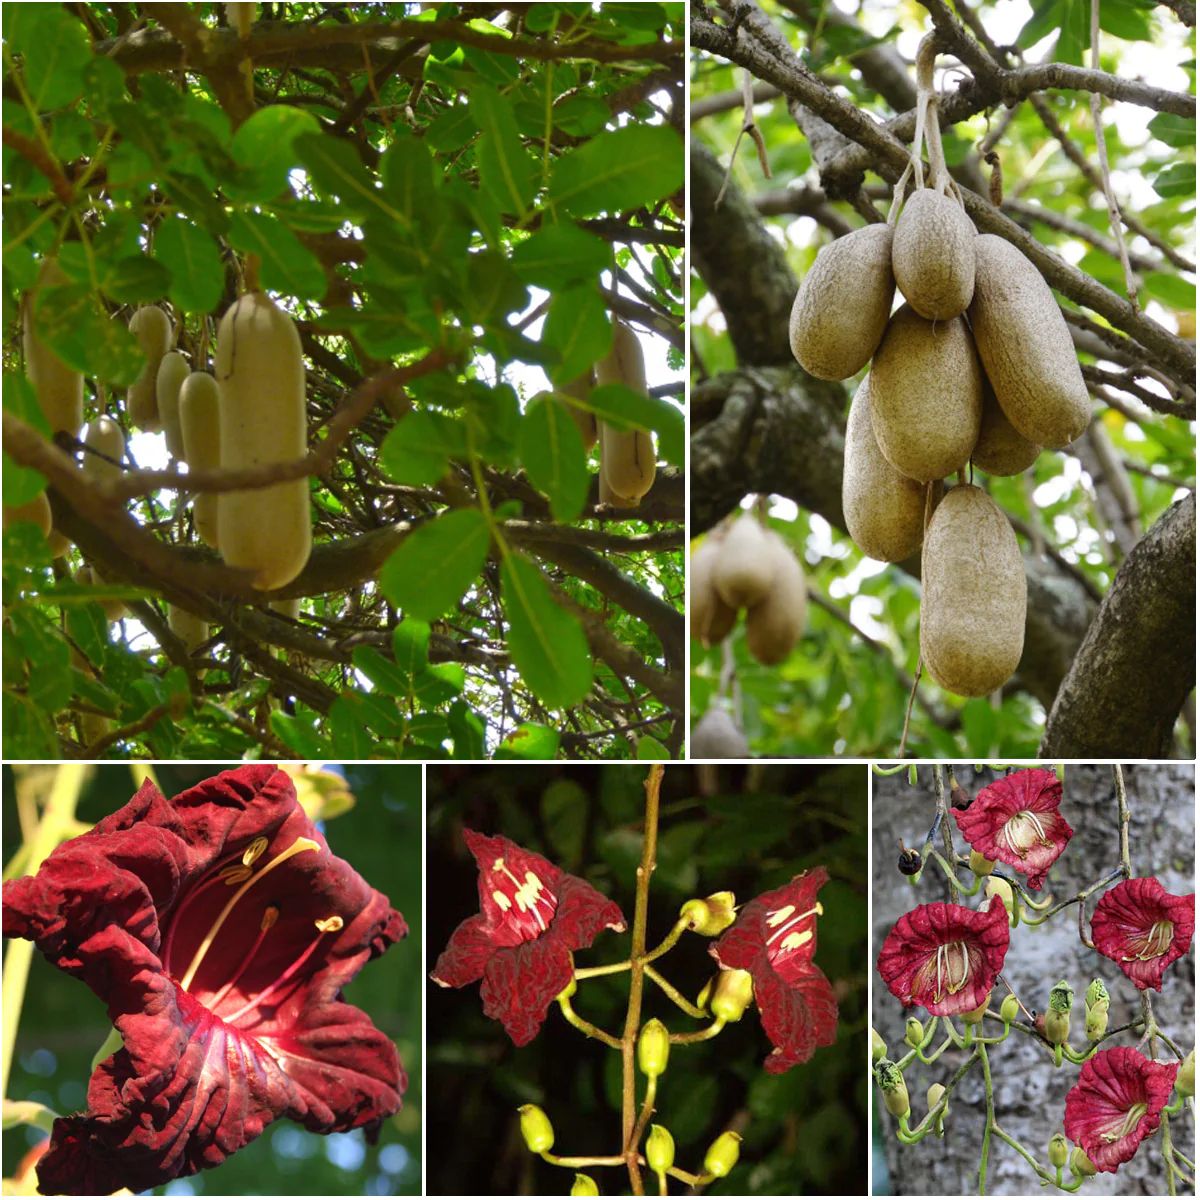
(520, 984)
(1130, 926)
(797, 1017)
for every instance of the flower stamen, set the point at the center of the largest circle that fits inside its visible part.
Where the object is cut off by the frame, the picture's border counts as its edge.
(781, 917)
(1154, 944)
(299, 846)
(1127, 1126)
(327, 925)
(269, 917)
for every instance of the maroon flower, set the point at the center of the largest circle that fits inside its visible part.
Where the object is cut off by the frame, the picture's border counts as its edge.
(1016, 821)
(775, 938)
(945, 957)
(1143, 929)
(532, 917)
(219, 930)
(1116, 1104)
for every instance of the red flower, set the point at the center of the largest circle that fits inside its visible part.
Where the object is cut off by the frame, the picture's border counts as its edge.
(775, 938)
(1116, 1104)
(1016, 821)
(1143, 929)
(945, 957)
(219, 930)
(532, 917)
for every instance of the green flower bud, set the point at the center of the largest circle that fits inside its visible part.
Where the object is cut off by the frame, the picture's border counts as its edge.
(996, 886)
(976, 1015)
(1010, 1008)
(1062, 996)
(933, 1098)
(710, 916)
(1185, 1081)
(1097, 1021)
(914, 1032)
(1097, 993)
(1059, 1150)
(894, 1089)
(721, 1157)
(1058, 1014)
(705, 994)
(980, 865)
(660, 1149)
(653, 1048)
(731, 994)
(1081, 1165)
(878, 1047)
(536, 1128)
(584, 1185)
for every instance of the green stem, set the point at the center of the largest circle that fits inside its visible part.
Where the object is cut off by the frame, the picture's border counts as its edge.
(701, 1035)
(990, 1122)
(57, 815)
(583, 1160)
(677, 931)
(675, 994)
(1055, 1180)
(608, 969)
(688, 1178)
(592, 1031)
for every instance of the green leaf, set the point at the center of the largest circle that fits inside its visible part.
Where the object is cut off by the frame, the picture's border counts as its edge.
(452, 130)
(1179, 179)
(577, 328)
(529, 741)
(299, 735)
(618, 170)
(430, 571)
(103, 85)
(287, 266)
(337, 170)
(467, 729)
(1175, 130)
(192, 257)
(384, 675)
(1172, 290)
(651, 749)
(265, 147)
(564, 817)
(547, 643)
(506, 171)
(408, 177)
(22, 484)
(48, 656)
(553, 454)
(493, 289)
(418, 449)
(1126, 19)
(350, 737)
(55, 51)
(625, 408)
(410, 646)
(557, 256)
(135, 280)
(69, 320)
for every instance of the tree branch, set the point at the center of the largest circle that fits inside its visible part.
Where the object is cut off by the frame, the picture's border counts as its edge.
(1136, 666)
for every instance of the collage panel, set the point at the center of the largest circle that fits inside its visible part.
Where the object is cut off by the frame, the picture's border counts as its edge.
(1034, 979)
(711, 1014)
(344, 397)
(213, 982)
(937, 430)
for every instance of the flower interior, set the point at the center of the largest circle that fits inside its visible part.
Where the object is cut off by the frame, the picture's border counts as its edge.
(1022, 831)
(1123, 1124)
(949, 969)
(786, 940)
(1155, 943)
(526, 906)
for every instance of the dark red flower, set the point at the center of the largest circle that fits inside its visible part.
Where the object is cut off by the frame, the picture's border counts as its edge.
(1016, 821)
(945, 957)
(775, 938)
(1116, 1104)
(219, 930)
(532, 916)
(1143, 929)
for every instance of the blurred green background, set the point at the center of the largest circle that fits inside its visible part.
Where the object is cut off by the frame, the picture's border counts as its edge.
(749, 829)
(63, 1023)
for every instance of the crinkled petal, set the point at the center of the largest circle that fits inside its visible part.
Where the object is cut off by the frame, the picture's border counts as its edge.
(797, 1017)
(521, 982)
(583, 913)
(1100, 1112)
(1123, 928)
(466, 954)
(913, 942)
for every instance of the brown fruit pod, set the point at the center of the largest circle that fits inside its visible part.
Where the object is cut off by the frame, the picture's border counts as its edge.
(1001, 450)
(933, 255)
(775, 624)
(744, 569)
(710, 619)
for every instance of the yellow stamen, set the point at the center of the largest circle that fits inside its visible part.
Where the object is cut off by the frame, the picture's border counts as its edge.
(1132, 1117)
(781, 914)
(330, 924)
(300, 845)
(254, 851)
(234, 874)
(502, 901)
(794, 941)
(1155, 944)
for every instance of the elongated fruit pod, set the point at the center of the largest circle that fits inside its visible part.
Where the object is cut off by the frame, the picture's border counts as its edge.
(59, 389)
(744, 570)
(716, 735)
(172, 371)
(287, 608)
(260, 381)
(926, 395)
(36, 512)
(841, 309)
(200, 428)
(711, 620)
(105, 444)
(1001, 450)
(114, 610)
(155, 334)
(240, 17)
(972, 595)
(580, 389)
(774, 625)
(885, 510)
(627, 459)
(1026, 347)
(190, 629)
(933, 255)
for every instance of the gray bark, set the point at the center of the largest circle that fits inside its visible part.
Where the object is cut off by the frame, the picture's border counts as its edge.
(1029, 1091)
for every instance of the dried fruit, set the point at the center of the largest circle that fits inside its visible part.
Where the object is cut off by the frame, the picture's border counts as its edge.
(1001, 450)
(716, 735)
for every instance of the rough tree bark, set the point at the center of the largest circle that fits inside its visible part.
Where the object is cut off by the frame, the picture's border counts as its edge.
(1029, 1092)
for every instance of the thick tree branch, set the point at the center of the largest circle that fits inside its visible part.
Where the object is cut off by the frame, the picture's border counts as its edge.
(1137, 664)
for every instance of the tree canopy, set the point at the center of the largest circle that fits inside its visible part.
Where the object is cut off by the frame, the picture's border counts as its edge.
(1107, 526)
(453, 203)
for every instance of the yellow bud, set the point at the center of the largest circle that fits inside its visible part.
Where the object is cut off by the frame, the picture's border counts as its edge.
(584, 1185)
(1010, 1008)
(721, 1157)
(653, 1048)
(878, 1047)
(1185, 1081)
(660, 1149)
(1059, 1150)
(980, 865)
(976, 1015)
(710, 916)
(1081, 1165)
(732, 994)
(536, 1128)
